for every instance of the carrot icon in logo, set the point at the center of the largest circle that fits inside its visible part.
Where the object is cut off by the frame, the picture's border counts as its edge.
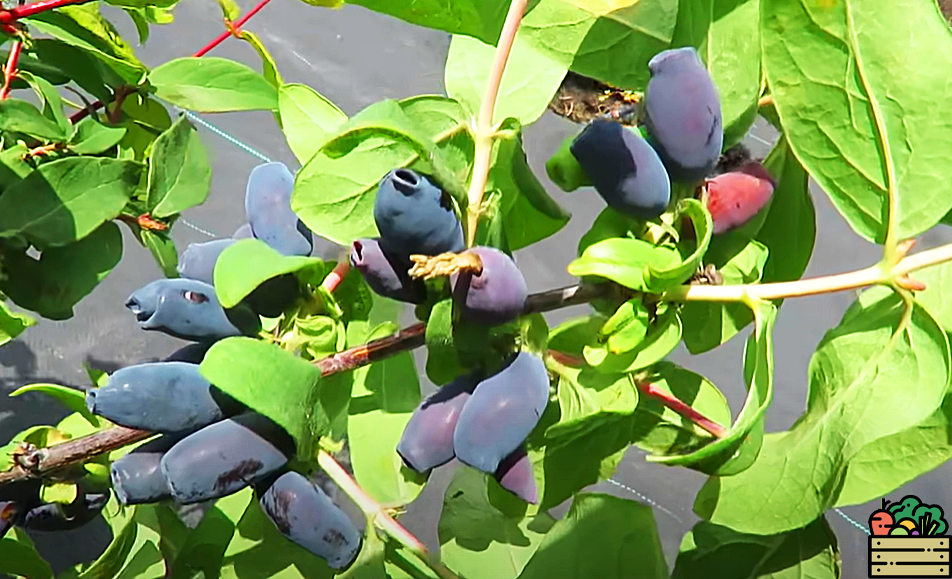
(907, 540)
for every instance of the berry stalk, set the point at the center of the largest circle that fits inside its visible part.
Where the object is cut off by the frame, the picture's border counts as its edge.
(485, 129)
(10, 70)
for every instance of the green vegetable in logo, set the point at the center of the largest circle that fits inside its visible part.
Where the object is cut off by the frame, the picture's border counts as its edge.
(932, 517)
(904, 508)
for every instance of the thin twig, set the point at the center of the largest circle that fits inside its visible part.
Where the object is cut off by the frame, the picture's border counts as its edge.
(380, 517)
(10, 71)
(17, 12)
(485, 129)
(337, 275)
(679, 407)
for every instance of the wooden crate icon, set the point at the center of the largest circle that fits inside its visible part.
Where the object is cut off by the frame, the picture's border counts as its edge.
(909, 556)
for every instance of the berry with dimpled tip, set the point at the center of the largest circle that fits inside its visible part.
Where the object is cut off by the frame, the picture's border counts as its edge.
(496, 295)
(683, 114)
(625, 169)
(415, 217)
(137, 478)
(385, 273)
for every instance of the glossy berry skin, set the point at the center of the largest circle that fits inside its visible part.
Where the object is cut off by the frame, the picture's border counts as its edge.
(198, 259)
(735, 198)
(625, 169)
(243, 232)
(415, 217)
(225, 457)
(501, 413)
(188, 309)
(516, 476)
(385, 273)
(268, 209)
(427, 440)
(305, 515)
(683, 114)
(51, 517)
(497, 295)
(137, 478)
(161, 397)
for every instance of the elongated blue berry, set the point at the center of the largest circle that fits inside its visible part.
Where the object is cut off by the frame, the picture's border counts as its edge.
(385, 273)
(625, 169)
(496, 295)
(502, 412)
(415, 217)
(198, 259)
(161, 397)
(516, 476)
(137, 478)
(268, 209)
(304, 514)
(683, 114)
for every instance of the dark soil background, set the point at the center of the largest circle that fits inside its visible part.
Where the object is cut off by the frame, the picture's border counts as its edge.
(356, 57)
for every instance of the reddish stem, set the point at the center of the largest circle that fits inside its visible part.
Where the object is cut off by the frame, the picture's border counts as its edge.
(334, 278)
(10, 72)
(18, 12)
(232, 29)
(681, 408)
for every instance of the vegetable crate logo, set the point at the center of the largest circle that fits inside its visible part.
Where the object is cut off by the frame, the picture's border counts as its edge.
(908, 540)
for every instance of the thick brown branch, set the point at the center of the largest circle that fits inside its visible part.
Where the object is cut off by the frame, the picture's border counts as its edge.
(47, 460)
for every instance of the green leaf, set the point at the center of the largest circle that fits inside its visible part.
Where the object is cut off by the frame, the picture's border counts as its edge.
(145, 120)
(598, 538)
(90, 137)
(71, 398)
(84, 27)
(789, 230)
(12, 166)
(212, 85)
(12, 324)
(588, 399)
(881, 468)
(58, 492)
(659, 277)
(334, 191)
(727, 36)
(384, 397)
(67, 199)
(21, 559)
(163, 250)
(110, 563)
(248, 370)
(858, 61)
(859, 394)
(663, 336)
(529, 82)
(63, 275)
(740, 446)
(478, 540)
(77, 65)
(248, 263)
(307, 118)
(626, 328)
(593, 37)
(52, 101)
(268, 68)
(229, 9)
(708, 325)
(137, 15)
(179, 174)
(935, 297)
(204, 547)
(22, 117)
(480, 18)
(714, 551)
(624, 261)
(442, 362)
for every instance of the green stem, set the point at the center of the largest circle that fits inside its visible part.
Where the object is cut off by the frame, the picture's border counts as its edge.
(380, 517)
(485, 129)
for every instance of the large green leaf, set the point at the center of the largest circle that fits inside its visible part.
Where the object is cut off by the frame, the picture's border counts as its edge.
(789, 230)
(478, 540)
(860, 393)
(601, 536)
(273, 382)
(248, 263)
(91, 137)
(740, 446)
(22, 117)
(609, 41)
(860, 110)
(307, 118)
(179, 174)
(12, 324)
(935, 298)
(710, 550)
(63, 275)
(480, 18)
(727, 36)
(84, 27)
(707, 324)
(67, 199)
(212, 85)
(530, 80)
(18, 558)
